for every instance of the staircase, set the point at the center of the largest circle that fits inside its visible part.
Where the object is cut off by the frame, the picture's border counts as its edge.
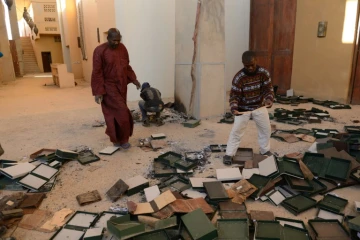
(30, 63)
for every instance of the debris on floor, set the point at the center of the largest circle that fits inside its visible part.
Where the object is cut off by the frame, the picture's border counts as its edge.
(177, 195)
(99, 123)
(301, 116)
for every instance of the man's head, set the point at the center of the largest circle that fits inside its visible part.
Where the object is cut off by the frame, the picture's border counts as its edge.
(114, 38)
(249, 61)
(145, 85)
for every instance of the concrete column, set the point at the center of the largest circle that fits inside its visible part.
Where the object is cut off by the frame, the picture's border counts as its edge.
(71, 31)
(210, 61)
(6, 63)
(62, 22)
(16, 36)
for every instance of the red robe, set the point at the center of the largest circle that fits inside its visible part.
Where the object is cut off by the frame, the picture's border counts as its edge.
(110, 76)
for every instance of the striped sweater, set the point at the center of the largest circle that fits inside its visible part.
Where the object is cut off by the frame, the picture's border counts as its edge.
(250, 90)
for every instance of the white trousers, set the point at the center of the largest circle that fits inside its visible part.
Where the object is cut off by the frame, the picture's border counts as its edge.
(261, 118)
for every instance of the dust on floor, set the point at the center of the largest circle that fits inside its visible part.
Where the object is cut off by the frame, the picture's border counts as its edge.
(34, 116)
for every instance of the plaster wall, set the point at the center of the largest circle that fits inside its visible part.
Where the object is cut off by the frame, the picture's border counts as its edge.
(47, 44)
(322, 66)
(148, 30)
(6, 63)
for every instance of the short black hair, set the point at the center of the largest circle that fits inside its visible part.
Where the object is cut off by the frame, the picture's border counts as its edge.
(113, 31)
(248, 56)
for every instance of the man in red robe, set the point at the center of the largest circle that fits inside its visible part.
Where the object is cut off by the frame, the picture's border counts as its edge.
(110, 76)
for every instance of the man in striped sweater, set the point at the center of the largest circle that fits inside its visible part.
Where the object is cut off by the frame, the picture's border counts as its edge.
(251, 93)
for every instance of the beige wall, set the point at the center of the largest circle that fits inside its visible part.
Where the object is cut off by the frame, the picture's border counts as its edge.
(223, 37)
(39, 15)
(96, 14)
(236, 38)
(6, 63)
(47, 44)
(322, 66)
(91, 21)
(70, 35)
(148, 29)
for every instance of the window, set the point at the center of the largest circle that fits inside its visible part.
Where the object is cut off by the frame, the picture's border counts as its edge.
(51, 29)
(49, 8)
(50, 19)
(57, 38)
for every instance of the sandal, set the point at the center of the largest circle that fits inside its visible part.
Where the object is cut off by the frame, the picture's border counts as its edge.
(126, 145)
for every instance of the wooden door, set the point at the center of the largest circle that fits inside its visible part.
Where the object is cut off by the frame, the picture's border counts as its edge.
(46, 59)
(272, 35)
(15, 58)
(354, 90)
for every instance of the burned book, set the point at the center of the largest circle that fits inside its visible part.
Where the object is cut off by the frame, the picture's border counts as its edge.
(101, 221)
(109, 150)
(155, 205)
(66, 154)
(82, 220)
(270, 167)
(243, 155)
(291, 222)
(32, 200)
(276, 197)
(329, 229)
(153, 235)
(136, 184)
(324, 214)
(176, 160)
(88, 198)
(233, 229)
(68, 233)
(161, 170)
(86, 157)
(189, 205)
(199, 226)
(260, 182)
(216, 191)
(7, 163)
(192, 123)
(215, 148)
(228, 174)
(47, 187)
(335, 168)
(299, 184)
(158, 136)
(333, 203)
(42, 152)
(117, 190)
(198, 183)
(354, 224)
(94, 234)
(298, 204)
(267, 230)
(123, 228)
(18, 170)
(317, 187)
(38, 177)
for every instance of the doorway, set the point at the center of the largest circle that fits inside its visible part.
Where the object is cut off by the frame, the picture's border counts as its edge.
(272, 37)
(15, 58)
(354, 90)
(46, 59)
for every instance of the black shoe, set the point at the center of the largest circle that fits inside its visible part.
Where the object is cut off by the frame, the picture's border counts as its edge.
(3, 230)
(146, 123)
(159, 122)
(268, 153)
(227, 160)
